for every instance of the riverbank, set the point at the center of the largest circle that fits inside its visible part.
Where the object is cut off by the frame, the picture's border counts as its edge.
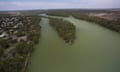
(35, 40)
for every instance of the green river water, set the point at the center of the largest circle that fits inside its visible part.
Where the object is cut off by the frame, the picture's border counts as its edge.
(96, 49)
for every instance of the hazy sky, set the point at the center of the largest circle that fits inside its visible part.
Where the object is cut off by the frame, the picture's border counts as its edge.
(54, 4)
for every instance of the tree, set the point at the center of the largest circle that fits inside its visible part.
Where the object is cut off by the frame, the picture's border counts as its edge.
(21, 48)
(4, 43)
(1, 51)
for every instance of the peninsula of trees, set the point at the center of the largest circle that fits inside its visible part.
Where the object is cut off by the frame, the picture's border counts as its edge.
(65, 29)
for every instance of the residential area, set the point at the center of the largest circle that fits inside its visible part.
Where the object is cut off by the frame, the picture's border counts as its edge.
(16, 41)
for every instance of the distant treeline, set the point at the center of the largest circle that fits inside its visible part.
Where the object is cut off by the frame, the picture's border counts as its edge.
(65, 29)
(83, 15)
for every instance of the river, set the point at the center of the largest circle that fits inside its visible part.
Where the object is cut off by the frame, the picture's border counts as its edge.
(96, 49)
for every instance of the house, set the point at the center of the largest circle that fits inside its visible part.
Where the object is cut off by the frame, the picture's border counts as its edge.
(2, 35)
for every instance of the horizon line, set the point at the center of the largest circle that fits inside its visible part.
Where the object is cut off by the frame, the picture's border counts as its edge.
(60, 9)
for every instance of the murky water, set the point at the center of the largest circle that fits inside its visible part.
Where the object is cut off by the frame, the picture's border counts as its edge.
(96, 49)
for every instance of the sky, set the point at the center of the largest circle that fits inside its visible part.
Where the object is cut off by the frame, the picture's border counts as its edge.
(57, 4)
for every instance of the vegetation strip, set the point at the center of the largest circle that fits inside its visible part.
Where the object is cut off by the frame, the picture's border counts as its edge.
(65, 29)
